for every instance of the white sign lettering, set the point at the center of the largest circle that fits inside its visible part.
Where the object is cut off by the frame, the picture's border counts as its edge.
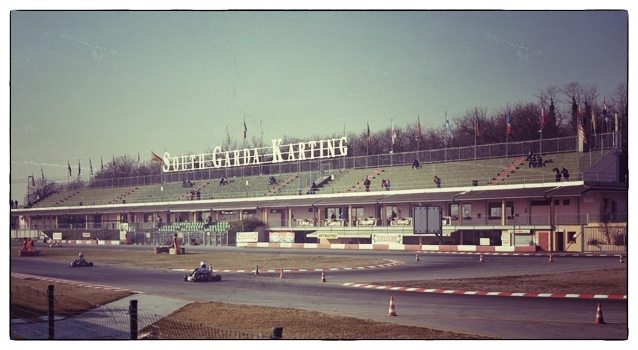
(278, 153)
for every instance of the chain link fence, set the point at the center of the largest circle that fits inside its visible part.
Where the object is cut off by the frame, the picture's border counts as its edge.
(36, 314)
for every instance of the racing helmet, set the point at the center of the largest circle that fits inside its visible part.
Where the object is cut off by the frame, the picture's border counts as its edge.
(202, 263)
(81, 255)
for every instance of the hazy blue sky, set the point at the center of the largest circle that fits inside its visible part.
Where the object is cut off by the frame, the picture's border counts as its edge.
(86, 85)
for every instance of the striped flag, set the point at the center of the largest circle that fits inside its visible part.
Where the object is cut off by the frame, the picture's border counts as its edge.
(581, 131)
(245, 128)
(392, 135)
(509, 122)
(156, 158)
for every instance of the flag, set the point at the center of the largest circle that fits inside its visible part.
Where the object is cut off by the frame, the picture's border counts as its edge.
(245, 128)
(542, 115)
(42, 171)
(593, 122)
(68, 164)
(91, 166)
(32, 180)
(79, 168)
(477, 125)
(418, 128)
(138, 159)
(581, 131)
(101, 164)
(368, 134)
(392, 135)
(605, 116)
(156, 158)
(448, 128)
(509, 122)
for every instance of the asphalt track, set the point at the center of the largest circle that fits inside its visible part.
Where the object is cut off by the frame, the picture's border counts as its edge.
(348, 292)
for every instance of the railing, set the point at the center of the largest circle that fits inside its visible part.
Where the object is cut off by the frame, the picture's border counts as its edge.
(320, 166)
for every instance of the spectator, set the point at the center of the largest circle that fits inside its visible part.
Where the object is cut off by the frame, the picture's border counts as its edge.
(366, 183)
(176, 243)
(558, 175)
(333, 217)
(415, 164)
(565, 174)
(383, 182)
(437, 181)
(387, 185)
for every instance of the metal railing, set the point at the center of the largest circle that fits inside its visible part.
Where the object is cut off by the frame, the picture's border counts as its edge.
(353, 161)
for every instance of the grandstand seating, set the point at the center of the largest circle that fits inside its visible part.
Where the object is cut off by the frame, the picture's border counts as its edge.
(510, 170)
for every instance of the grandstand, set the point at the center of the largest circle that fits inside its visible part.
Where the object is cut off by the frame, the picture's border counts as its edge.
(479, 188)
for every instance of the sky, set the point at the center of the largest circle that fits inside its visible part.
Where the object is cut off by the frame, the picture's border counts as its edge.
(91, 85)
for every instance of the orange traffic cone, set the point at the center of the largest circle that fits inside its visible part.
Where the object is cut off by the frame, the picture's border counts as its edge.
(599, 316)
(323, 277)
(391, 312)
(481, 257)
(256, 270)
(417, 257)
(281, 275)
(551, 258)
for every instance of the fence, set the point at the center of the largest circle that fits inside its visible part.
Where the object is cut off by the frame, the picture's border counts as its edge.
(355, 161)
(65, 317)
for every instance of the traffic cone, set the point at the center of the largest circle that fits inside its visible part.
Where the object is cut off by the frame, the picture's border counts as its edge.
(391, 312)
(257, 270)
(551, 258)
(599, 316)
(323, 277)
(281, 275)
(621, 260)
(481, 257)
(417, 257)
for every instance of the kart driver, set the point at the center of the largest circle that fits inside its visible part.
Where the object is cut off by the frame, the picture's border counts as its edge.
(202, 269)
(80, 258)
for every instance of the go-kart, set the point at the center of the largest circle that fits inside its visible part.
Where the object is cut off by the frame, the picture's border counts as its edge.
(81, 263)
(197, 276)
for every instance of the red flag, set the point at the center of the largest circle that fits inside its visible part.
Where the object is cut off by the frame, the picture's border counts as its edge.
(245, 128)
(32, 181)
(477, 125)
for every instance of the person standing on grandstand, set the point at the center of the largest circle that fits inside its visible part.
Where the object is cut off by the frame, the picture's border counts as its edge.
(437, 181)
(415, 164)
(383, 183)
(176, 243)
(565, 174)
(557, 172)
(366, 183)
(387, 185)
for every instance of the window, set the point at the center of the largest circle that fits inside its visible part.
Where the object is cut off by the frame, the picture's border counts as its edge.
(454, 211)
(495, 209)
(467, 211)
(357, 213)
(571, 237)
(565, 201)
